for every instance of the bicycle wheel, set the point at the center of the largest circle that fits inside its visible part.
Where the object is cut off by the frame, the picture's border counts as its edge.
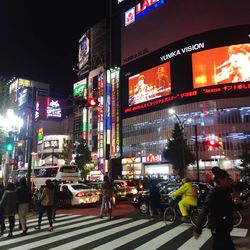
(194, 216)
(237, 218)
(169, 216)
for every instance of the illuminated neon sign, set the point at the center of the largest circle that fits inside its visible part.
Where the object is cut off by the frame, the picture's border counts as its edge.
(141, 9)
(54, 109)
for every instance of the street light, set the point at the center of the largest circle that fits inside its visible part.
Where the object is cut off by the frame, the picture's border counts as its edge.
(171, 111)
(10, 124)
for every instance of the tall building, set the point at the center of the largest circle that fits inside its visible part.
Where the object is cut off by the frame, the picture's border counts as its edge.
(193, 56)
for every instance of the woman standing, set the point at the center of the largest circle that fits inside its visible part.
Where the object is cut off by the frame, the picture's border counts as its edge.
(8, 203)
(47, 204)
(23, 198)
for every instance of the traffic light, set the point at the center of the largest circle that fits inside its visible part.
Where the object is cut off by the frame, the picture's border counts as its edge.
(92, 102)
(212, 143)
(9, 144)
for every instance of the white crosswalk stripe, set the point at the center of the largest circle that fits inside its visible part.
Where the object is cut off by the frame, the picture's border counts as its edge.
(90, 232)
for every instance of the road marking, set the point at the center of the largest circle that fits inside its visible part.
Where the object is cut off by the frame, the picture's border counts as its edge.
(93, 237)
(29, 237)
(67, 235)
(130, 237)
(164, 238)
(192, 243)
(239, 232)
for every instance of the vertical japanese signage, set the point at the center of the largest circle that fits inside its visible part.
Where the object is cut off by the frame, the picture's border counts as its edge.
(115, 115)
(84, 123)
(108, 107)
(100, 116)
(80, 88)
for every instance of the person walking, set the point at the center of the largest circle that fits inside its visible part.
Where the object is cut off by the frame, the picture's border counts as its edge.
(57, 198)
(2, 224)
(219, 206)
(8, 203)
(154, 200)
(23, 199)
(107, 193)
(47, 202)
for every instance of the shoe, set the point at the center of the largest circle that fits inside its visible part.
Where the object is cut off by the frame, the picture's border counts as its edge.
(26, 229)
(23, 233)
(50, 229)
(10, 235)
(2, 233)
(101, 217)
(38, 228)
(152, 219)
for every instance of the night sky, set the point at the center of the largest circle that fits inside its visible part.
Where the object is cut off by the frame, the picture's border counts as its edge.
(39, 39)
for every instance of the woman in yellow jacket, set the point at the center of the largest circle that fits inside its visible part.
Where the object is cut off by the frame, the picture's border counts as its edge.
(189, 197)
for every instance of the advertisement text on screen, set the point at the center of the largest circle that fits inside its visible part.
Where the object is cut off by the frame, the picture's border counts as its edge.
(141, 9)
(183, 50)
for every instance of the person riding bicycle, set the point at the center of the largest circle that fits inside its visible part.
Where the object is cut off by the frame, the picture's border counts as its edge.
(189, 197)
(107, 193)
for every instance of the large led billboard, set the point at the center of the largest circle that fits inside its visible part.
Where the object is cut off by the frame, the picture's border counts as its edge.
(150, 84)
(206, 66)
(228, 64)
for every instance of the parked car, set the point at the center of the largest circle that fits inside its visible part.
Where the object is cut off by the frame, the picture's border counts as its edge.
(82, 194)
(141, 201)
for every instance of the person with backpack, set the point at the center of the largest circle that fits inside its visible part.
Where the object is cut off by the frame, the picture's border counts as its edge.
(47, 203)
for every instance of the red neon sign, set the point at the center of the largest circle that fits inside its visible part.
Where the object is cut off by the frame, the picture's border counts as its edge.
(144, 5)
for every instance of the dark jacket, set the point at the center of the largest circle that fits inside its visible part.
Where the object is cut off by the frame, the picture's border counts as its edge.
(23, 195)
(218, 206)
(8, 203)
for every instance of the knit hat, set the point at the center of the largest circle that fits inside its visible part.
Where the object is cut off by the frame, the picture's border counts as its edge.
(219, 173)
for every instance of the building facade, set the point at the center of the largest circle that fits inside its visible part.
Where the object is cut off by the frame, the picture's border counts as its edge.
(198, 66)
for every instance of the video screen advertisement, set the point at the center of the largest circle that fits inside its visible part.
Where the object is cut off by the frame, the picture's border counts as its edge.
(148, 25)
(150, 84)
(198, 68)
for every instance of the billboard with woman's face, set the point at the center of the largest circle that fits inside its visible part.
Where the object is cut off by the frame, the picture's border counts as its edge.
(229, 64)
(150, 84)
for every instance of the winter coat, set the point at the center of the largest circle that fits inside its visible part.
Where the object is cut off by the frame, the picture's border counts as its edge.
(218, 206)
(47, 197)
(9, 202)
(23, 195)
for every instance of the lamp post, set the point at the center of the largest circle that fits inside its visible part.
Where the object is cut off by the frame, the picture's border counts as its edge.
(11, 125)
(181, 124)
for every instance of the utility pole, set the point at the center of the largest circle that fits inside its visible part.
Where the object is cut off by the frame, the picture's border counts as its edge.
(31, 134)
(197, 153)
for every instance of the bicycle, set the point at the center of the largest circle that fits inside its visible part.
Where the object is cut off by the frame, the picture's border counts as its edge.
(173, 210)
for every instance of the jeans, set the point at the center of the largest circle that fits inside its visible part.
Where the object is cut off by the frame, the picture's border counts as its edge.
(42, 209)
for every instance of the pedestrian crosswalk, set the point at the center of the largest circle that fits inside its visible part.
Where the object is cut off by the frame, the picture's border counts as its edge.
(91, 232)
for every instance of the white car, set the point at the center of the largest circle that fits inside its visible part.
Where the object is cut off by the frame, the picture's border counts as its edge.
(82, 194)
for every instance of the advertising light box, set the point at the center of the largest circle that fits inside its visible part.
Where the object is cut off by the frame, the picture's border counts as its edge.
(150, 84)
(207, 66)
(229, 64)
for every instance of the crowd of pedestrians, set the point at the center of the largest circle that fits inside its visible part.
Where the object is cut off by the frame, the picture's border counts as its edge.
(18, 199)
